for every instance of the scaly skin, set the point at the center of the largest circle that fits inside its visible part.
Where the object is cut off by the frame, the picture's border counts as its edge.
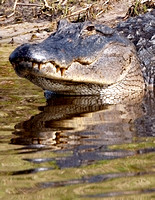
(141, 31)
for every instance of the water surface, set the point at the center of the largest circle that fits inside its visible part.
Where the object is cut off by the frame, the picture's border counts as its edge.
(72, 147)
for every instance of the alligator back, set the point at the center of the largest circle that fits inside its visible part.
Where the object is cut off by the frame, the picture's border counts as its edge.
(141, 31)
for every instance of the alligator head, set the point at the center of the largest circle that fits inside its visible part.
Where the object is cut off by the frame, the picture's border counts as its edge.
(81, 59)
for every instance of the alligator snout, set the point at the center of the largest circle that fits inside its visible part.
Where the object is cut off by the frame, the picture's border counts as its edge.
(28, 57)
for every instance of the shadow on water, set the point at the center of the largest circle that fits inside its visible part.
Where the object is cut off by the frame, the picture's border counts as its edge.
(82, 130)
(85, 127)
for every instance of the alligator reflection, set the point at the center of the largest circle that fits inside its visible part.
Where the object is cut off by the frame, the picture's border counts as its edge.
(85, 127)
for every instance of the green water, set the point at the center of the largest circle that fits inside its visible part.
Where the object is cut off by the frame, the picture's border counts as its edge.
(72, 148)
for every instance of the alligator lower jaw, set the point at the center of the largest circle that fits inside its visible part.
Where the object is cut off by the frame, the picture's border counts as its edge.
(58, 80)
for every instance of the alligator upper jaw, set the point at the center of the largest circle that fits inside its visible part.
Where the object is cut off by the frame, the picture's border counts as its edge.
(24, 68)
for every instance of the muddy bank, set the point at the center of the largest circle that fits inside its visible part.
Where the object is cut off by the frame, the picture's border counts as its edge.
(34, 22)
(24, 32)
(32, 31)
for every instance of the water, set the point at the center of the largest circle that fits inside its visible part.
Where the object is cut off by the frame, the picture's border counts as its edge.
(72, 147)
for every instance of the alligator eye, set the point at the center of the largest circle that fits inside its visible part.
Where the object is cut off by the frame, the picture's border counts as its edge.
(88, 31)
(90, 28)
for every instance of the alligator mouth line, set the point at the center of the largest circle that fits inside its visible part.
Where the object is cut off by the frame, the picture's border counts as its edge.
(40, 66)
(50, 64)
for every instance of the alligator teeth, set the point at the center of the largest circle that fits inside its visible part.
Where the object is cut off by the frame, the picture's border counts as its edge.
(62, 71)
(33, 64)
(39, 66)
(57, 69)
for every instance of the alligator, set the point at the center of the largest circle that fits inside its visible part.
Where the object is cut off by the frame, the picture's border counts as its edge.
(87, 58)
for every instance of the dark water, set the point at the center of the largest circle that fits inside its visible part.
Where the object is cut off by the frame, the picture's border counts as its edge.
(73, 147)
